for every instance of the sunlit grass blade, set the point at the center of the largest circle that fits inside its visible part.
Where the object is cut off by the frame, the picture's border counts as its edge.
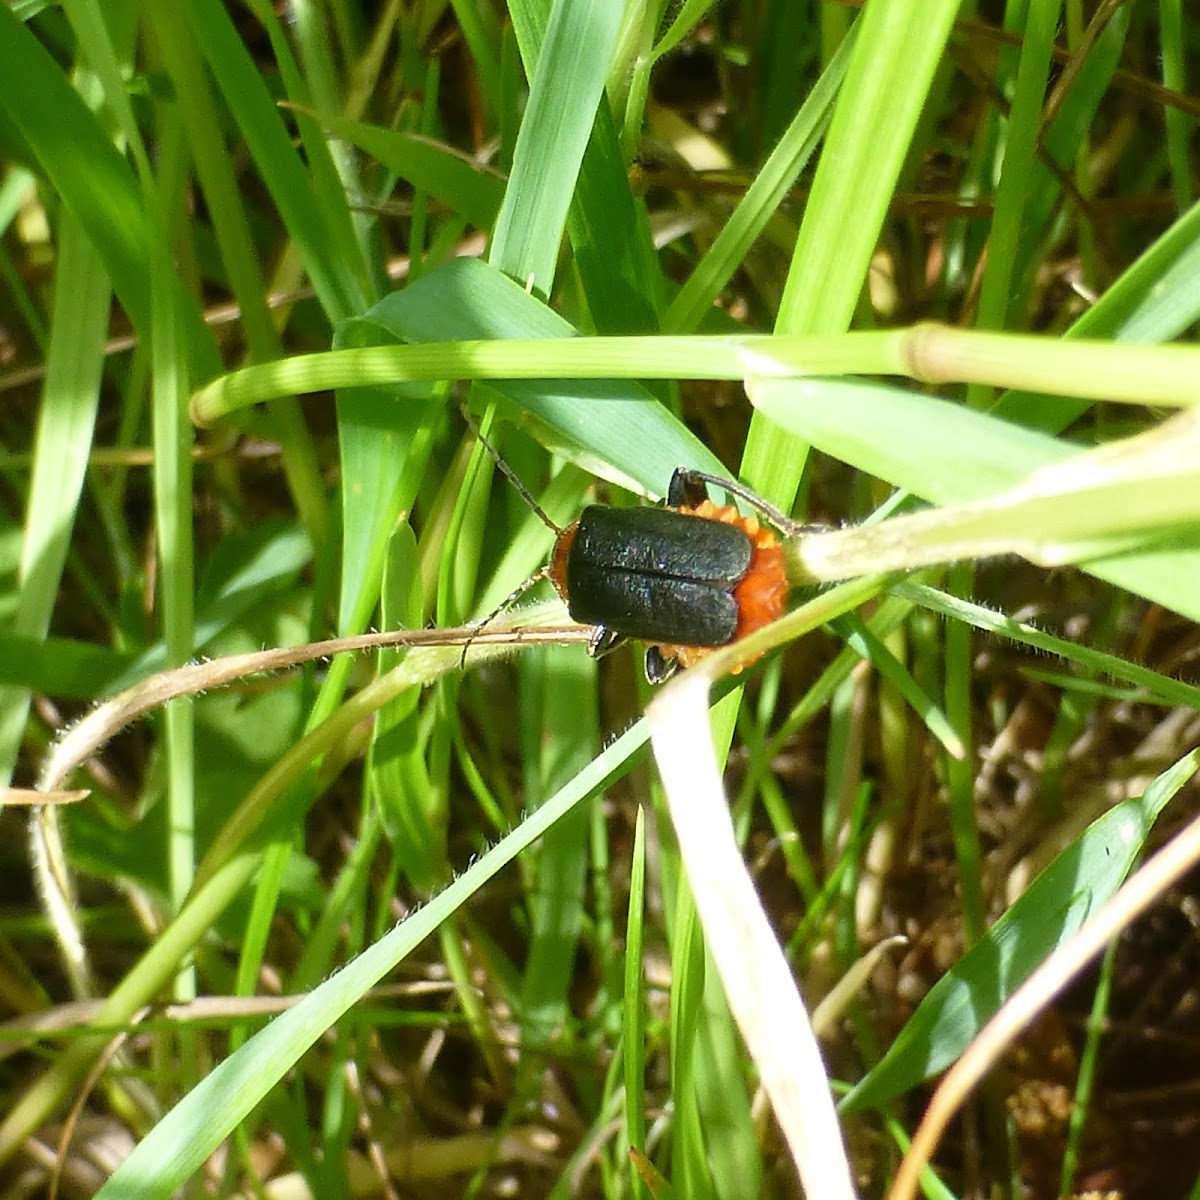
(94, 182)
(166, 1158)
(1126, 509)
(64, 438)
(896, 54)
(473, 191)
(1049, 912)
(764, 195)
(567, 85)
(323, 238)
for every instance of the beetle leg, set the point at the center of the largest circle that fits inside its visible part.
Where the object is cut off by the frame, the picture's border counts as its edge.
(603, 640)
(686, 489)
(659, 668)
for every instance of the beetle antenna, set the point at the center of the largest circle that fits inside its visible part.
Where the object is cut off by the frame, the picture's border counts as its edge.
(541, 514)
(511, 476)
(503, 606)
(789, 526)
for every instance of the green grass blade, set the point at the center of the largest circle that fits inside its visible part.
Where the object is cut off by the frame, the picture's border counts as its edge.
(1012, 193)
(568, 85)
(452, 177)
(633, 1021)
(617, 421)
(1053, 907)
(175, 1149)
(936, 451)
(326, 244)
(898, 48)
(64, 439)
(764, 195)
(93, 180)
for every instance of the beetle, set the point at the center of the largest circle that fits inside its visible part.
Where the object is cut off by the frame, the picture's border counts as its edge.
(685, 578)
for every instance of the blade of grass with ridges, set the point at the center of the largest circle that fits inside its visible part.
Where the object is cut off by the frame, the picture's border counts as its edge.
(898, 48)
(94, 182)
(70, 399)
(1054, 905)
(566, 88)
(183, 61)
(170, 1154)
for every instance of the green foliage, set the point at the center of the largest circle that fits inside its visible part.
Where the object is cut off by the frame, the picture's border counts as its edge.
(470, 877)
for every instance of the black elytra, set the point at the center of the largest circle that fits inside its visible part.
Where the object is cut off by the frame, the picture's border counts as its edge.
(656, 574)
(677, 578)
